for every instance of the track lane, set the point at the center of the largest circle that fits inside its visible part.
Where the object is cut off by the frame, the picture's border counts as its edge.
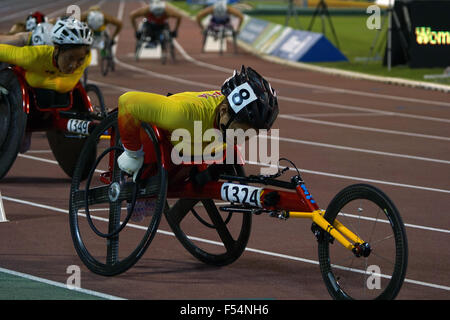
(170, 270)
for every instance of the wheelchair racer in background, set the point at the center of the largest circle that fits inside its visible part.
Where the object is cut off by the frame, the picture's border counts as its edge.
(41, 35)
(30, 23)
(56, 67)
(220, 17)
(156, 16)
(98, 22)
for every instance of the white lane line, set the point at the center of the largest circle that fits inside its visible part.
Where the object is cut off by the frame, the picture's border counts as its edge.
(308, 85)
(26, 12)
(296, 100)
(264, 252)
(325, 145)
(59, 284)
(349, 126)
(381, 153)
(339, 176)
(302, 170)
(341, 114)
(206, 86)
(413, 226)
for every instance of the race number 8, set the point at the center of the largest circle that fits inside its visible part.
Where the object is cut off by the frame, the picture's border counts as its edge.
(241, 194)
(241, 96)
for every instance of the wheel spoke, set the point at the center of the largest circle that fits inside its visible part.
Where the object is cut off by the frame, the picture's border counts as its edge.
(220, 225)
(180, 209)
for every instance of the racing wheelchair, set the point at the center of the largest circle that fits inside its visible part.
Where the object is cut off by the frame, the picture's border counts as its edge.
(66, 118)
(220, 32)
(152, 35)
(101, 207)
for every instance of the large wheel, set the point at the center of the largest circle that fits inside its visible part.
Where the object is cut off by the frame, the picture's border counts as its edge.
(66, 149)
(107, 60)
(379, 270)
(230, 232)
(100, 209)
(205, 38)
(137, 51)
(222, 39)
(13, 120)
(97, 100)
(165, 45)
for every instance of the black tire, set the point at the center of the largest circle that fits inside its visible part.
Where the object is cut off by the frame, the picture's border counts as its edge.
(107, 63)
(104, 66)
(13, 120)
(234, 247)
(205, 37)
(138, 49)
(235, 46)
(111, 261)
(66, 149)
(388, 251)
(222, 40)
(97, 99)
(165, 45)
(172, 51)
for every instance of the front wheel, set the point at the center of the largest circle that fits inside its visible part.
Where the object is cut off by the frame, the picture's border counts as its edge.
(372, 216)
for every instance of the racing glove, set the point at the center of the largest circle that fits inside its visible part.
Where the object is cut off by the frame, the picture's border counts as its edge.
(131, 161)
(138, 34)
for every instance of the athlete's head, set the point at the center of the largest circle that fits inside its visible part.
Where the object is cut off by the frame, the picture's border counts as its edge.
(42, 34)
(95, 19)
(72, 40)
(220, 8)
(33, 20)
(157, 7)
(251, 102)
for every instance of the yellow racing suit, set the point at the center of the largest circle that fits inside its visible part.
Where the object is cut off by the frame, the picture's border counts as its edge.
(178, 111)
(40, 68)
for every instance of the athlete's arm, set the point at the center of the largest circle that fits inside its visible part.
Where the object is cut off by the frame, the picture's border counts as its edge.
(19, 39)
(17, 27)
(202, 14)
(172, 13)
(114, 21)
(20, 56)
(141, 12)
(235, 12)
(83, 17)
(161, 111)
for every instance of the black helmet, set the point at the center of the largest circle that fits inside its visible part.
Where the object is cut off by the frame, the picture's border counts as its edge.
(251, 99)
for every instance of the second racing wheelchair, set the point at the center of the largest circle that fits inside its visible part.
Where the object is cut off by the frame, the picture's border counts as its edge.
(67, 119)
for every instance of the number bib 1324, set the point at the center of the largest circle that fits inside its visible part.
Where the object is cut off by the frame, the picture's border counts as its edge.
(241, 194)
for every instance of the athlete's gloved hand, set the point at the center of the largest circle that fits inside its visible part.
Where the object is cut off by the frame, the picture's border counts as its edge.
(131, 161)
(3, 90)
(173, 33)
(138, 34)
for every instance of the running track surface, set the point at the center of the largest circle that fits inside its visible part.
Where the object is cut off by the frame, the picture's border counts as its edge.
(339, 131)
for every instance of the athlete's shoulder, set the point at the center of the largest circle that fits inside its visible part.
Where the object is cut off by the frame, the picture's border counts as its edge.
(213, 94)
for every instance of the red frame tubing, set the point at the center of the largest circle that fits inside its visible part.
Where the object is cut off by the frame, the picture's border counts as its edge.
(289, 201)
(20, 73)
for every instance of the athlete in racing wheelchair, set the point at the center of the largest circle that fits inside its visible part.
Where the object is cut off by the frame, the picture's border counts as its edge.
(137, 164)
(219, 25)
(40, 91)
(154, 29)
